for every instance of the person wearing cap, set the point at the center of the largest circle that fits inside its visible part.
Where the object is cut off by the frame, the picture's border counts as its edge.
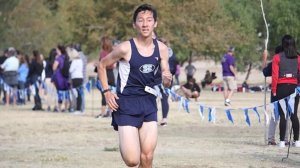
(229, 75)
(10, 74)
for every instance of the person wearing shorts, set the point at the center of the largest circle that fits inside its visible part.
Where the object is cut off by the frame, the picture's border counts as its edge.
(10, 75)
(229, 75)
(143, 63)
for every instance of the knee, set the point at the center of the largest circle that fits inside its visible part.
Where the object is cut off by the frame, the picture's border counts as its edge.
(131, 162)
(146, 158)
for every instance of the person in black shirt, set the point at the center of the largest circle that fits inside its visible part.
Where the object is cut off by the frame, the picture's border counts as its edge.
(191, 89)
(34, 77)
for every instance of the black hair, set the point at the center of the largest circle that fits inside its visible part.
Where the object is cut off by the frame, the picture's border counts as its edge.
(62, 49)
(145, 7)
(52, 56)
(77, 47)
(289, 46)
(278, 49)
(37, 56)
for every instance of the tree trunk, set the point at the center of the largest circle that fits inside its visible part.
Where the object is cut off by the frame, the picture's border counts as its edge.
(248, 72)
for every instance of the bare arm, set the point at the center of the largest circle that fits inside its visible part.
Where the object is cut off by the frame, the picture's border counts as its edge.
(55, 65)
(232, 69)
(166, 74)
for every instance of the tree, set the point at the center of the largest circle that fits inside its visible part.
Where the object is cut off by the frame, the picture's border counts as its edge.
(5, 8)
(283, 19)
(31, 27)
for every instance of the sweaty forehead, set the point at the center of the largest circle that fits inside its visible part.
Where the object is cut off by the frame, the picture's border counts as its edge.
(145, 14)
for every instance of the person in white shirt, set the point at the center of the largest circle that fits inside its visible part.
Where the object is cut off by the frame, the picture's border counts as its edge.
(10, 75)
(84, 59)
(76, 74)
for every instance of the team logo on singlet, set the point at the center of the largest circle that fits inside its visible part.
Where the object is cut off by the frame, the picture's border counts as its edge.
(147, 68)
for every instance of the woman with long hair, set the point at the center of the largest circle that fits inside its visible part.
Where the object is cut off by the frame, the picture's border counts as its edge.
(35, 71)
(22, 76)
(50, 88)
(61, 81)
(106, 48)
(285, 72)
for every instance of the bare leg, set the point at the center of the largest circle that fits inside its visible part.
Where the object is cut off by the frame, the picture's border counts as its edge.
(103, 110)
(225, 93)
(148, 141)
(7, 98)
(59, 107)
(66, 105)
(230, 94)
(15, 96)
(195, 95)
(187, 92)
(129, 145)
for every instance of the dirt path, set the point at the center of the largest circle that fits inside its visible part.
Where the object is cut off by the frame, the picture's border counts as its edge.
(62, 140)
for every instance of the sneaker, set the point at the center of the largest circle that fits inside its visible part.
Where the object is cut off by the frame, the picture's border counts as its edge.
(77, 113)
(98, 116)
(227, 103)
(163, 124)
(106, 115)
(287, 143)
(272, 143)
(296, 144)
(281, 144)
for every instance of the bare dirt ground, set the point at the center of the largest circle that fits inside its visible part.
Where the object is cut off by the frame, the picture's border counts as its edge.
(62, 140)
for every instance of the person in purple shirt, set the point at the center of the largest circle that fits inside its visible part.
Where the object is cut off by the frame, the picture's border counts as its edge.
(229, 75)
(61, 82)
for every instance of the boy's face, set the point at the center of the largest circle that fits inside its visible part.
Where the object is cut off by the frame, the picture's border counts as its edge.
(145, 23)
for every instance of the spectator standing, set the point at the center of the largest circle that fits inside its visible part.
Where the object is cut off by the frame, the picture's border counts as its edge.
(164, 95)
(61, 81)
(22, 78)
(229, 75)
(267, 72)
(190, 70)
(106, 48)
(2, 59)
(76, 74)
(51, 95)
(177, 73)
(85, 79)
(10, 75)
(285, 75)
(36, 68)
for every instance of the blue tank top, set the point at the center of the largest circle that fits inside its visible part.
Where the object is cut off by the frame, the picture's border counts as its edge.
(138, 72)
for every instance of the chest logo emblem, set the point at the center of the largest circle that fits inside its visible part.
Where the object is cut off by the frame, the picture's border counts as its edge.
(147, 68)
